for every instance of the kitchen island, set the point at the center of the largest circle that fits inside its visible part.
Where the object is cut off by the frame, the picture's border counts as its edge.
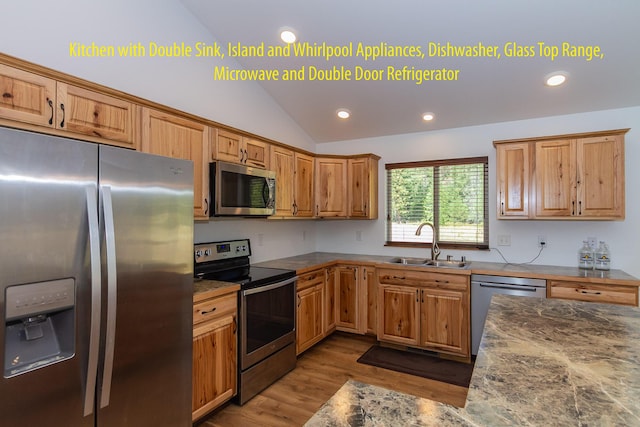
(541, 362)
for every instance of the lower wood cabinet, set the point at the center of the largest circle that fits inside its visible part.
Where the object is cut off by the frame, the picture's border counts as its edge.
(309, 309)
(215, 353)
(356, 299)
(593, 292)
(425, 310)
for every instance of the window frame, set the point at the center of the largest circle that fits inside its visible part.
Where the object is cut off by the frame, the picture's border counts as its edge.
(437, 163)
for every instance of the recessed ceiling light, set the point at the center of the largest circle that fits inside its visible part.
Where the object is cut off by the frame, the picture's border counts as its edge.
(343, 113)
(555, 78)
(427, 117)
(288, 36)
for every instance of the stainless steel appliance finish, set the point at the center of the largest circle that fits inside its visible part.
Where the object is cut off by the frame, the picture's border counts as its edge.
(266, 349)
(241, 190)
(95, 284)
(483, 287)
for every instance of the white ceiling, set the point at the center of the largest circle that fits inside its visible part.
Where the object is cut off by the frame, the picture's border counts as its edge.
(488, 90)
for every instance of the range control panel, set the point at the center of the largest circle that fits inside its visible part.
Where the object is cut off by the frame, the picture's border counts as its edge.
(214, 251)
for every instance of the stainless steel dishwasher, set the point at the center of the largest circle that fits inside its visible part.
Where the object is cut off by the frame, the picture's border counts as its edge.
(483, 287)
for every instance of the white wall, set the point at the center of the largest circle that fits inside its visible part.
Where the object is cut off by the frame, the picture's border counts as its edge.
(564, 237)
(41, 31)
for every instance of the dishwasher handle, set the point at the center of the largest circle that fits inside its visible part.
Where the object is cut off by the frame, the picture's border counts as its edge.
(508, 287)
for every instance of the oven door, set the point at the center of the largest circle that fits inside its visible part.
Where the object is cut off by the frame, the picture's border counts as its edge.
(268, 319)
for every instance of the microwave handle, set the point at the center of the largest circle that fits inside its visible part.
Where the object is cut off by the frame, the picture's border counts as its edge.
(267, 194)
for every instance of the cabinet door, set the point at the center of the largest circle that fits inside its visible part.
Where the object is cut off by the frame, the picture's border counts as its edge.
(309, 318)
(363, 194)
(27, 97)
(347, 299)
(555, 178)
(228, 146)
(214, 365)
(303, 184)
(513, 173)
(256, 153)
(330, 301)
(398, 320)
(94, 114)
(369, 275)
(282, 162)
(600, 183)
(172, 136)
(444, 321)
(331, 187)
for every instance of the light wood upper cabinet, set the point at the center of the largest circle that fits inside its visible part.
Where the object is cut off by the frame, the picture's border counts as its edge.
(294, 182)
(555, 178)
(173, 136)
(34, 99)
(579, 176)
(331, 187)
(513, 174)
(232, 147)
(600, 172)
(363, 187)
(27, 97)
(303, 180)
(282, 162)
(90, 113)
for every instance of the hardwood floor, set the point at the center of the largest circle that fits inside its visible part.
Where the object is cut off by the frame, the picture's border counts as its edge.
(320, 372)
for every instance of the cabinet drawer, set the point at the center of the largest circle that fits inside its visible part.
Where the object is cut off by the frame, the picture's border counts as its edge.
(210, 309)
(423, 278)
(612, 294)
(311, 279)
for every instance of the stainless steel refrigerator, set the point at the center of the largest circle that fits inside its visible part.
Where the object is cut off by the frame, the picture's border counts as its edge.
(96, 275)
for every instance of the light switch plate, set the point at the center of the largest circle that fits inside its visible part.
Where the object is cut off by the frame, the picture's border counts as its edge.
(504, 239)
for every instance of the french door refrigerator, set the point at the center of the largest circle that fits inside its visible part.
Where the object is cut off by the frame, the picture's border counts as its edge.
(96, 274)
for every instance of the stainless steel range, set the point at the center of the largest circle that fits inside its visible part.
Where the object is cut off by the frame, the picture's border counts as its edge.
(267, 310)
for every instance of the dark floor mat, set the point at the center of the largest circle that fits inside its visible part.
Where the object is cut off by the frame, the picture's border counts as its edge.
(423, 365)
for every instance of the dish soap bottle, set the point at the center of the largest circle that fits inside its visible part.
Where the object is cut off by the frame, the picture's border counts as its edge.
(603, 257)
(585, 256)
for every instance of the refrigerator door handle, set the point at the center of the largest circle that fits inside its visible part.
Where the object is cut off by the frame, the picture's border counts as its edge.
(94, 337)
(110, 335)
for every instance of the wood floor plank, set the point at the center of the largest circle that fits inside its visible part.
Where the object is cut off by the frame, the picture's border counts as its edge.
(319, 373)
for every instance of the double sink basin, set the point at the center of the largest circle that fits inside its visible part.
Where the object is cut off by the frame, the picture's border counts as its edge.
(430, 262)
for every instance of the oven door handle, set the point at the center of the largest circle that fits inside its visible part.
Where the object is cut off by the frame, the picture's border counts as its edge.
(269, 287)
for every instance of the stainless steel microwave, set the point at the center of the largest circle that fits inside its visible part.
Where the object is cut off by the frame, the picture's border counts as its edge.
(241, 190)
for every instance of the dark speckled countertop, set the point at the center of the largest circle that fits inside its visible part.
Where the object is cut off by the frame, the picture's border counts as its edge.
(311, 261)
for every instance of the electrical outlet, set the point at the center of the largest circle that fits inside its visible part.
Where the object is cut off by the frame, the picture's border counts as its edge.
(542, 242)
(504, 239)
(593, 242)
(358, 236)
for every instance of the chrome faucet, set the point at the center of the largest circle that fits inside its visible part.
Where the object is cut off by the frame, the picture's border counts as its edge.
(435, 250)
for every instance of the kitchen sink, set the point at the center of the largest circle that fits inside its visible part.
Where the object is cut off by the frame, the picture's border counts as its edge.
(430, 262)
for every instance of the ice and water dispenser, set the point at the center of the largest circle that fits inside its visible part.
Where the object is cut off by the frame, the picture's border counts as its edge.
(39, 325)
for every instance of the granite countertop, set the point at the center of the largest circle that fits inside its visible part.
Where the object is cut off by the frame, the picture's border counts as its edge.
(311, 261)
(205, 289)
(541, 362)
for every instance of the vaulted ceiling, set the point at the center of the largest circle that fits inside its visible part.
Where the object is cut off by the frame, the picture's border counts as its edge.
(487, 89)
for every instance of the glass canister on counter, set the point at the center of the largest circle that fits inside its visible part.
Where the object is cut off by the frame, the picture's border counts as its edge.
(585, 256)
(602, 257)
